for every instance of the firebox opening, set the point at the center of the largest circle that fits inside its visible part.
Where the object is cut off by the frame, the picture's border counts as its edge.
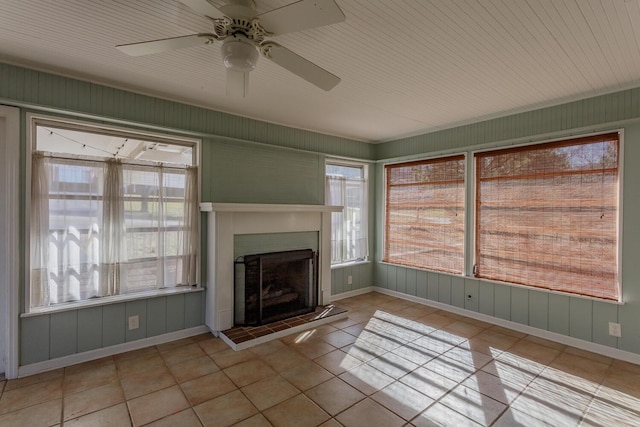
(274, 286)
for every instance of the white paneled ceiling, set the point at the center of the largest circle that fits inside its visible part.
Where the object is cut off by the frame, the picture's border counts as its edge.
(407, 66)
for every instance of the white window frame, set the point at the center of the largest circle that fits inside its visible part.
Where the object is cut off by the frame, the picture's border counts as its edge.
(32, 120)
(365, 174)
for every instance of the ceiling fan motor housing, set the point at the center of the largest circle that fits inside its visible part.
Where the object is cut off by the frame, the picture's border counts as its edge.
(239, 54)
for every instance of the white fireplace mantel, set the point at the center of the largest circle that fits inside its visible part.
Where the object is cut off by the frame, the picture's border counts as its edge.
(225, 220)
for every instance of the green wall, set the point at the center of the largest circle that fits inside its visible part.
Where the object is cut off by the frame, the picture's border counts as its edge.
(245, 160)
(576, 317)
(242, 160)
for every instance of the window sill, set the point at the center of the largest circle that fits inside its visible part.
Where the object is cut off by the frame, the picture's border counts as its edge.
(350, 264)
(95, 302)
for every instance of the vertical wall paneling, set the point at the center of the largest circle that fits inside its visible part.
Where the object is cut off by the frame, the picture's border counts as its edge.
(63, 339)
(401, 280)
(113, 324)
(175, 312)
(559, 313)
(444, 288)
(603, 313)
(486, 297)
(520, 305)
(392, 277)
(194, 306)
(421, 284)
(34, 339)
(156, 316)
(433, 285)
(580, 313)
(539, 310)
(411, 282)
(136, 308)
(457, 291)
(502, 298)
(89, 329)
(471, 294)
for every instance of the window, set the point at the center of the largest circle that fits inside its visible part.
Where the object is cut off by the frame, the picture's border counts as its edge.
(424, 220)
(346, 185)
(112, 213)
(547, 215)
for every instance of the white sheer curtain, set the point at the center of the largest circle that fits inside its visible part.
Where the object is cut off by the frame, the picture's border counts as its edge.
(190, 231)
(106, 227)
(39, 295)
(349, 227)
(66, 216)
(113, 248)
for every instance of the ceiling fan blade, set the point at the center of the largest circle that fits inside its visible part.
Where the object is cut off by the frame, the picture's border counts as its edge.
(300, 66)
(301, 15)
(163, 45)
(237, 83)
(203, 7)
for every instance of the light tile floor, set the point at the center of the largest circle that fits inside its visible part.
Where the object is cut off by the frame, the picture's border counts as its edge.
(391, 363)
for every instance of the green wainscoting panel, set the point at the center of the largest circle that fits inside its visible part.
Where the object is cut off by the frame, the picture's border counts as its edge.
(433, 285)
(175, 312)
(89, 329)
(136, 308)
(580, 318)
(366, 275)
(337, 282)
(603, 313)
(194, 309)
(114, 324)
(392, 283)
(444, 288)
(539, 309)
(156, 316)
(520, 305)
(411, 282)
(401, 280)
(64, 337)
(380, 275)
(356, 276)
(559, 313)
(34, 339)
(502, 298)
(471, 294)
(629, 319)
(486, 297)
(457, 291)
(422, 284)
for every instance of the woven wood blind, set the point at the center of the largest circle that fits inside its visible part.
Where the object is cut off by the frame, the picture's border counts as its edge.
(425, 214)
(547, 216)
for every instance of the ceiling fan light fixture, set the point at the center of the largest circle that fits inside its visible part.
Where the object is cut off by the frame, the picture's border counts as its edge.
(239, 54)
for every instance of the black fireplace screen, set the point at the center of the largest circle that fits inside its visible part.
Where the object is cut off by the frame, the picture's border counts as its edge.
(275, 286)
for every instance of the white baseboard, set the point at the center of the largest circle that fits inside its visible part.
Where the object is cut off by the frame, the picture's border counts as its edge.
(354, 293)
(551, 336)
(73, 359)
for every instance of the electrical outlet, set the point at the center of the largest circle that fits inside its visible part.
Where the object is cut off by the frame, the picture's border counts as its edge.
(134, 322)
(615, 330)
(349, 280)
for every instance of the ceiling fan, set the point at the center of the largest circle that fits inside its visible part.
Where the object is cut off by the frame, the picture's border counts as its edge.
(243, 34)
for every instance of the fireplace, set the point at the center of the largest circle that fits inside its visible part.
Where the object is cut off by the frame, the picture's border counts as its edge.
(227, 220)
(274, 286)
